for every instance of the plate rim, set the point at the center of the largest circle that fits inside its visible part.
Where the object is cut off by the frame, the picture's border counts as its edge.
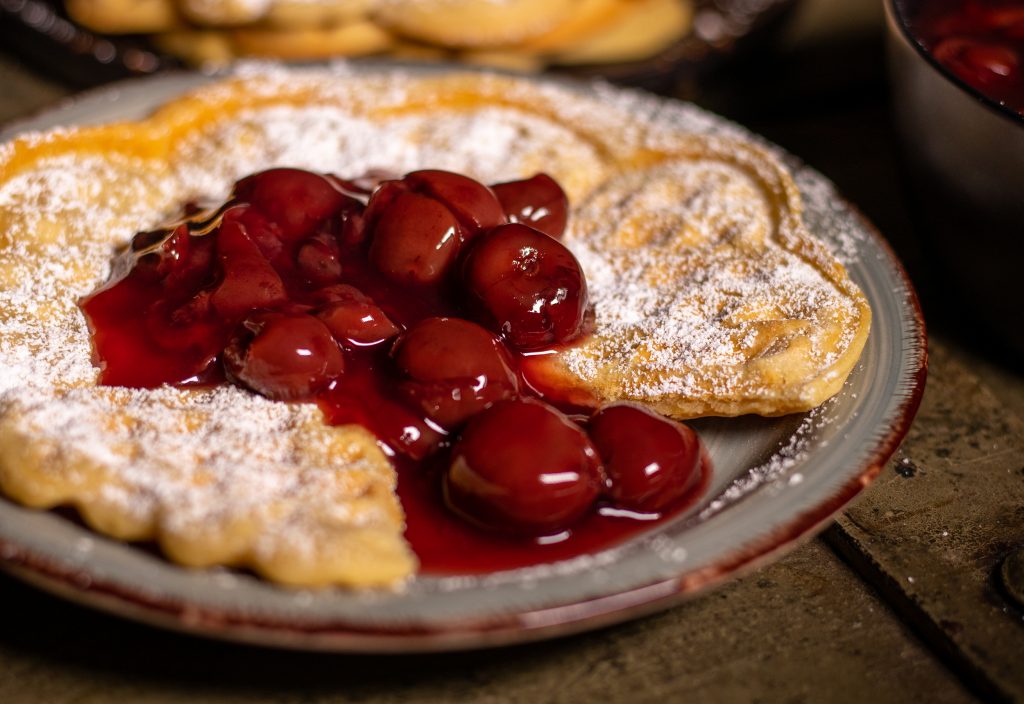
(496, 629)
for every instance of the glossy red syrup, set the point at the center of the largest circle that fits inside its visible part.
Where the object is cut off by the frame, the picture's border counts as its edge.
(448, 545)
(979, 41)
(410, 307)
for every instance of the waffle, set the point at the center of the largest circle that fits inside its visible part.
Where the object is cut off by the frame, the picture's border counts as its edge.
(710, 297)
(519, 34)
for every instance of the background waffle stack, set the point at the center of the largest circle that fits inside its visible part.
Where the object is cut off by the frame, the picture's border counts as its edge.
(517, 34)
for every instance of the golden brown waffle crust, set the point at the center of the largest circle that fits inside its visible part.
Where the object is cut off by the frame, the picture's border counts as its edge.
(222, 477)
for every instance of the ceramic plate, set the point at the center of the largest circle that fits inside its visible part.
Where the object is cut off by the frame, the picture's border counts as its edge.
(776, 482)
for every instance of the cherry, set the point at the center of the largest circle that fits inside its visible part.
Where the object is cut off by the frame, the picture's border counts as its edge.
(447, 348)
(404, 431)
(352, 317)
(475, 205)
(419, 222)
(650, 461)
(194, 269)
(249, 281)
(380, 201)
(264, 233)
(456, 369)
(523, 467)
(174, 251)
(353, 230)
(530, 288)
(283, 357)
(295, 200)
(979, 63)
(1005, 18)
(179, 261)
(319, 260)
(538, 202)
(196, 309)
(415, 239)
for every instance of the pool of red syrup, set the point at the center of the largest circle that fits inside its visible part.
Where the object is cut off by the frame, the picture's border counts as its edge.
(366, 395)
(448, 545)
(979, 41)
(445, 543)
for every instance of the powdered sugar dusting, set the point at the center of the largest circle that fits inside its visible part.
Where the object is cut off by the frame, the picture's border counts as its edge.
(827, 216)
(490, 144)
(668, 252)
(59, 229)
(777, 468)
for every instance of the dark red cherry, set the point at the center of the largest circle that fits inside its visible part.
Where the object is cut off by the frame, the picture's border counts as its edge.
(406, 432)
(283, 357)
(650, 461)
(538, 202)
(352, 317)
(979, 63)
(335, 293)
(446, 348)
(175, 258)
(474, 204)
(185, 264)
(415, 240)
(353, 230)
(1003, 18)
(264, 233)
(295, 200)
(456, 369)
(522, 467)
(380, 201)
(529, 287)
(249, 281)
(174, 251)
(319, 260)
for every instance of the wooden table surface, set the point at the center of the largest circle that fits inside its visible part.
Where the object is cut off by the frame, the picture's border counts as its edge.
(897, 602)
